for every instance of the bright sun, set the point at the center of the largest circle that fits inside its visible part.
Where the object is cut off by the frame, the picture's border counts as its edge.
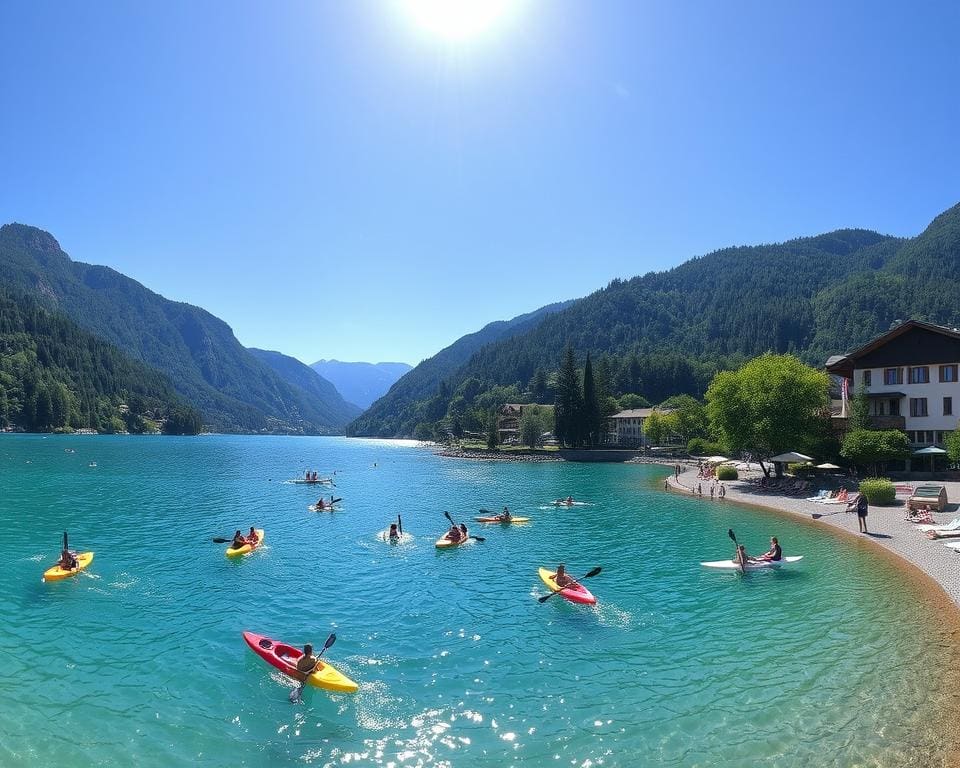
(458, 20)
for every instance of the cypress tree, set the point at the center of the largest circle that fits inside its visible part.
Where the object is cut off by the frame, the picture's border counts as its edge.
(590, 421)
(569, 402)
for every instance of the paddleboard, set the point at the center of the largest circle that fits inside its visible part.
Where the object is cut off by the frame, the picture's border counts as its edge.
(246, 549)
(496, 519)
(56, 573)
(321, 481)
(445, 543)
(326, 508)
(576, 593)
(559, 503)
(284, 657)
(730, 565)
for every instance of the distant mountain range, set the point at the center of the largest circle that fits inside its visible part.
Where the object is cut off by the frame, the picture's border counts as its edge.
(361, 383)
(234, 389)
(668, 333)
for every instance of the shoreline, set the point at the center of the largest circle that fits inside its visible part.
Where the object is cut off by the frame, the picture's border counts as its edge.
(932, 569)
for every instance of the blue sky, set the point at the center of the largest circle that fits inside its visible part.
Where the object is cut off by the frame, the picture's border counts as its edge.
(336, 182)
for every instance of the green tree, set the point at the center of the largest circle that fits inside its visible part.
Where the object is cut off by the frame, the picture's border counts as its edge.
(539, 386)
(569, 403)
(952, 444)
(590, 421)
(493, 435)
(654, 429)
(872, 447)
(772, 404)
(631, 401)
(690, 417)
(860, 411)
(534, 421)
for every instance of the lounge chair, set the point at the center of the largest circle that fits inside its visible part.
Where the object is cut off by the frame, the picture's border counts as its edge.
(953, 525)
(822, 494)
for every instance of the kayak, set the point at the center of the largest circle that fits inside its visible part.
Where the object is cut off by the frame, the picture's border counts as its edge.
(57, 573)
(326, 508)
(321, 481)
(730, 565)
(246, 549)
(284, 657)
(562, 503)
(445, 543)
(496, 519)
(576, 593)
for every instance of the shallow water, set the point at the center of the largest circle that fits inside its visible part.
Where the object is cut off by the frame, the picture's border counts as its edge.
(836, 661)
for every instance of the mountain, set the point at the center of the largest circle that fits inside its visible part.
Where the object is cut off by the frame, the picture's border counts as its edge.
(56, 376)
(667, 333)
(331, 405)
(199, 353)
(361, 383)
(397, 413)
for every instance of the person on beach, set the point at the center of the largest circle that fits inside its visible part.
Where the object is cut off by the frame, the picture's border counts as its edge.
(560, 578)
(711, 491)
(722, 491)
(238, 540)
(505, 516)
(699, 489)
(308, 661)
(862, 509)
(666, 485)
(252, 537)
(774, 554)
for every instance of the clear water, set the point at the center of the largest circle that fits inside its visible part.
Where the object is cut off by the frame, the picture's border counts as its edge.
(139, 660)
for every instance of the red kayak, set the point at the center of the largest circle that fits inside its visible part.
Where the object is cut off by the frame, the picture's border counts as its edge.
(284, 657)
(575, 593)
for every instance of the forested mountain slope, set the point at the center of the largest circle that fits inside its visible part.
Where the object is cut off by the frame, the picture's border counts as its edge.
(329, 402)
(55, 376)
(667, 333)
(198, 351)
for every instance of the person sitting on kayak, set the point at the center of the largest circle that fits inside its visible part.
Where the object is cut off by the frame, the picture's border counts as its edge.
(505, 516)
(252, 537)
(68, 560)
(238, 540)
(393, 533)
(321, 504)
(569, 500)
(560, 578)
(774, 554)
(453, 534)
(741, 558)
(463, 532)
(308, 661)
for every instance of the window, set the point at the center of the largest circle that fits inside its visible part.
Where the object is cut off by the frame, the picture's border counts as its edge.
(894, 407)
(920, 374)
(893, 376)
(948, 406)
(918, 406)
(912, 437)
(868, 378)
(948, 373)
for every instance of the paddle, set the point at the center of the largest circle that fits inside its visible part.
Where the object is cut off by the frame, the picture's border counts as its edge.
(587, 575)
(297, 693)
(743, 566)
(399, 525)
(453, 522)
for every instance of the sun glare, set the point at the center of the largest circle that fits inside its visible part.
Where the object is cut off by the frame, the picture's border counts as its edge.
(458, 20)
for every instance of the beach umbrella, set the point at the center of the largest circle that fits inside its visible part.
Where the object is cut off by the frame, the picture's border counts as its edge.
(827, 465)
(791, 458)
(932, 451)
(716, 459)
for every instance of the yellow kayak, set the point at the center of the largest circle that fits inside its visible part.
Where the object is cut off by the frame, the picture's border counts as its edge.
(57, 573)
(246, 548)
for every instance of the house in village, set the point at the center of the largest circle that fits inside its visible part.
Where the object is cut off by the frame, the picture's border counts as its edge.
(626, 428)
(508, 420)
(910, 376)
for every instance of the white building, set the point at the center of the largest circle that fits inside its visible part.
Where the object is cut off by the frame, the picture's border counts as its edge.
(626, 427)
(910, 376)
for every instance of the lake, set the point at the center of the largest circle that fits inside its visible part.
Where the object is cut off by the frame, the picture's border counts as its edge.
(837, 661)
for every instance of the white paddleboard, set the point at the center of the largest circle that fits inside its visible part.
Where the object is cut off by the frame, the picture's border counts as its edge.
(730, 565)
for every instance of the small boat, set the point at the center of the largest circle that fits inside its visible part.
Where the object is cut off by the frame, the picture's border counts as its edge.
(575, 593)
(731, 565)
(445, 543)
(56, 573)
(318, 481)
(284, 657)
(324, 508)
(498, 519)
(246, 549)
(565, 503)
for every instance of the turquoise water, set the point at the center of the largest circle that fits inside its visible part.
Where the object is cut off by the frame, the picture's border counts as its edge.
(140, 660)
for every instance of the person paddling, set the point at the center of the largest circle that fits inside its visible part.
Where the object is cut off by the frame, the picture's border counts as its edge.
(68, 560)
(308, 662)
(453, 534)
(560, 578)
(774, 554)
(505, 516)
(393, 534)
(742, 558)
(252, 538)
(321, 504)
(238, 540)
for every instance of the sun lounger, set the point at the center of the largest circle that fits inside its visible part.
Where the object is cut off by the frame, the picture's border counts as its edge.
(820, 495)
(953, 525)
(944, 534)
